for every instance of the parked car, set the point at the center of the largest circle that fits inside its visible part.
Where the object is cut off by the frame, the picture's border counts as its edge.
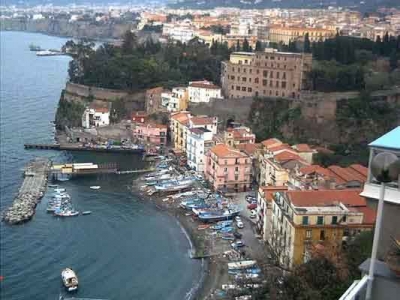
(237, 244)
(252, 206)
(250, 199)
(238, 219)
(253, 214)
(239, 224)
(237, 235)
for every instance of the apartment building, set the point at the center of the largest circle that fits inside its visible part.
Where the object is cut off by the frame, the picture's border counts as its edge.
(203, 91)
(289, 34)
(239, 135)
(151, 133)
(178, 122)
(199, 141)
(304, 220)
(227, 169)
(174, 101)
(265, 74)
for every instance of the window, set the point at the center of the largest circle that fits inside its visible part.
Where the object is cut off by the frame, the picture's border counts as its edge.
(236, 169)
(256, 80)
(226, 162)
(243, 88)
(271, 75)
(238, 70)
(265, 73)
(322, 235)
(308, 234)
(277, 75)
(250, 71)
(238, 88)
(249, 89)
(244, 79)
(334, 220)
(258, 71)
(233, 69)
(245, 61)
(244, 70)
(236, 177)
(277, 84)
(284, 75)
(320, 220)
(232, 77)
(264, 82)
(271, 84)
(283, 84)
(305, 220)
(225, 170)
(344, 219)
(272, 57)
(250, 79)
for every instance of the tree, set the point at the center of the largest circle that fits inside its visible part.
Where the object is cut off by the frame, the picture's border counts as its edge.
(238, 48)
(307, 45)
(258, 46)
(246, 46)
(129, 42)
(393, 60)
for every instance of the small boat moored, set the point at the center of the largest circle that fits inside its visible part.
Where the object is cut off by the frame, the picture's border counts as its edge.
(87, 212)
(70, 280)
(95, 187)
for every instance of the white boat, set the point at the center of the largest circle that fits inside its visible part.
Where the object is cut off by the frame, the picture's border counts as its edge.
(59, 190)
(53, 185)
(66, 213)
(86, 212)
(70, 280)
(244, 264)
(95, 187)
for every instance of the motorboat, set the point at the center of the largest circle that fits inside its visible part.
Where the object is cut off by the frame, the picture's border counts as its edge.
(217, 215)
(70, 280)
(66, 213)
(59, 190)
(53, 186)
(95, 187)
(239, 265)
(86, 212)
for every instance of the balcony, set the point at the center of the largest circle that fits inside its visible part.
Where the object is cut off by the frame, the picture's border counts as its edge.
(384, 286)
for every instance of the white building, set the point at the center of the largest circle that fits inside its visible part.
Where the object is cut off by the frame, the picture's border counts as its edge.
(199, 141)
(175, 100)
(203, 91)
(183, 31)
(95, 117)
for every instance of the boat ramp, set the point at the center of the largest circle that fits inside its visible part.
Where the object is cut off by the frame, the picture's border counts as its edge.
(30, 193)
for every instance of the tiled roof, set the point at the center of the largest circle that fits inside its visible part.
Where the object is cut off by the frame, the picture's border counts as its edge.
(315, 169)
(222, 150)
(360, 169)
(249, 148)
(204, 85)
(369, 214)
(343, 175)
(281, 147)
(286, 155)
(270, 190)
(155, 90)
(180, 116)
(326, 197)
(271, 142)
(202, 120)
(303, 148)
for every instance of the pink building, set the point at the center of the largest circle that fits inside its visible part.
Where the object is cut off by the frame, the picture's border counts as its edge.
(227, 169)
(149, 133)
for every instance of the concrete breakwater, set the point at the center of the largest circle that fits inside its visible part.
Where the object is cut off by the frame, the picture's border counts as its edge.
(30, 193)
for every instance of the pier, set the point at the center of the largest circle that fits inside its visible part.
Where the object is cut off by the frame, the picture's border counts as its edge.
(30, 193)
(79, 147)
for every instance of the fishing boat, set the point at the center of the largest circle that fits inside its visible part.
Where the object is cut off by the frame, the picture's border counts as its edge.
(217, 215)
(53, 185)
(59, 190)
(66, 213)
(239, 265)
(70, 280)
(86, 212)
(174, 185)
(95, 187)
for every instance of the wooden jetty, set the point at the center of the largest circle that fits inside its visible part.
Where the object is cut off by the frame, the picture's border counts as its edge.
(78, 147)
(30, 193)
(73, 169)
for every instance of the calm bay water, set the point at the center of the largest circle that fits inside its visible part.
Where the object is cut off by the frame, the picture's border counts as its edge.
(125, 250)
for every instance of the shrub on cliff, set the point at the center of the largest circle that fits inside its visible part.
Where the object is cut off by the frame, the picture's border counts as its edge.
(69, 114)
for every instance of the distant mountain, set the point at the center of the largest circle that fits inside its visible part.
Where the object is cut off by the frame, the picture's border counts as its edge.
(362, 5)
(28, 3)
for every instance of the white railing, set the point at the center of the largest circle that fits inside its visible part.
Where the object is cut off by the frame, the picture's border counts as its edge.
(357, 290)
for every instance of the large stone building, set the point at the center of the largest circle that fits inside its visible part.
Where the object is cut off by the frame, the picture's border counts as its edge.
(265, 74)
(278, 34)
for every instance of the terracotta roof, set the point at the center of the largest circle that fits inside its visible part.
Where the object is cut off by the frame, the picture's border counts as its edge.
(202, 120)
(180, 116)
(326, 197)
(315, 169)
(281, 147)
(140, 114)
(249, 148)
(369, 214)
(204, 85)
(360, 169)
(155, 90)
(199, 130)
(343, 175)
(303, 148)
(286, 155)
(270, 190)
(271, 142)
(99, 107)
(222, 150)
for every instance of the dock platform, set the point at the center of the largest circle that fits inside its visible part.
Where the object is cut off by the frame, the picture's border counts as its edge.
(78, 147)
(30, 193)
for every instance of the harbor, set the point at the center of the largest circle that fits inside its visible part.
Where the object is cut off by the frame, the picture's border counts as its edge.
(80, 147)
(30, 193)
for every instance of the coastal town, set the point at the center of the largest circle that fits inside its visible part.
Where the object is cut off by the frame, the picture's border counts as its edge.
(271, 135)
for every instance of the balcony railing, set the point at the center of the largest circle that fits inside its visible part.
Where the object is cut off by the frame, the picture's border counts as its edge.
(357, 290)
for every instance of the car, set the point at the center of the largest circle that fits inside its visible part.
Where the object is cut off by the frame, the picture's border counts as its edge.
(250, 199)
(237, 235)
(237, 244)
(253, 214)
(239, 224)
(238, 219)
(252, 206)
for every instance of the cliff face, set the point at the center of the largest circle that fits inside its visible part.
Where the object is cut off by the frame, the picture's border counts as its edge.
(64, 28)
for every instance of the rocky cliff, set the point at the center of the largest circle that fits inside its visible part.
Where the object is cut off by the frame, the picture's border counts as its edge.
(63, 27)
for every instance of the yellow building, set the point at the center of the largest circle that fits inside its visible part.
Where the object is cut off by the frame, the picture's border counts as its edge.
(287, 34)
(178, 124)
(302, 221)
